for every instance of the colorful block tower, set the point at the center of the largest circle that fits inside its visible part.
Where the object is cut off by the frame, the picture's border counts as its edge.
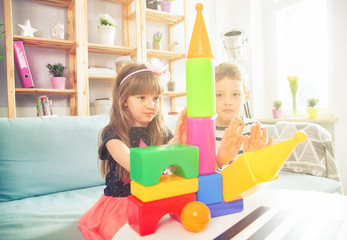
(201, 106)
(195, 179)
(201, 109)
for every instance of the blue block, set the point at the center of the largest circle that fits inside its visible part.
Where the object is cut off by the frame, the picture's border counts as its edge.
(210, 188)
(225, 208)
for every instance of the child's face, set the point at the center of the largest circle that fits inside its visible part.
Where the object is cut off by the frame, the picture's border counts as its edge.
(230, 97)
(143, 108)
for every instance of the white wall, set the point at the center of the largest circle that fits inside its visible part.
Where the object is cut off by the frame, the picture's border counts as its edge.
(338, 30)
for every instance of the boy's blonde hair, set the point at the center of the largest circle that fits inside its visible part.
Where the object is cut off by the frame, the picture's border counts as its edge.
(232, 71)
(121, 120)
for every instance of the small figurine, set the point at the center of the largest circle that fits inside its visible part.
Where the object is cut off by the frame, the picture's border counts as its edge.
(57, 31)
(26, 29)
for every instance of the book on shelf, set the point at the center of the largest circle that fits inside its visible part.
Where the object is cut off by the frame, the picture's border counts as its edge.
(99, 70)
(44, 106)
(22, 65)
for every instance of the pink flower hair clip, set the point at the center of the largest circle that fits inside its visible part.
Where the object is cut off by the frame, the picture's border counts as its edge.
(159, 68)
(156, 67)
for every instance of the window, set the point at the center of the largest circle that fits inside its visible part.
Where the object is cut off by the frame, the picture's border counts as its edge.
(299, 29)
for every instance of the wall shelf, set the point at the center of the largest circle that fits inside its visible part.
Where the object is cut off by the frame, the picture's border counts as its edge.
(78, 48)
(44, 91)
(45, 42)
(160, 17)
(102, 78)
(60, 3)
(174, 94)
(116, 50)
(74, 45)
(169, 55)
(163, 17)
(127, 2)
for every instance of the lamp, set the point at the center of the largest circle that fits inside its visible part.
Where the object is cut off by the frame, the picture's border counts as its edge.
(234, 43)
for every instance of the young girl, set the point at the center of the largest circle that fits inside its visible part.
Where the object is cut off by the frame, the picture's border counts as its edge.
(136, 120)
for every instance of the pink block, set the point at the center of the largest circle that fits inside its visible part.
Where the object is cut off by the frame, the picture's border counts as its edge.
(201, 133)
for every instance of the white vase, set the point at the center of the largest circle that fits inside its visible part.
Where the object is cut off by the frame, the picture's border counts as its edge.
(106, 35)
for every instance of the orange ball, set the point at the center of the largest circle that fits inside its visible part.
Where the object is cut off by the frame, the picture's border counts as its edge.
(195, 216)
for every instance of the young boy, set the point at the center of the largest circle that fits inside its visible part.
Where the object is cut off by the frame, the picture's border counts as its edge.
(232, 129)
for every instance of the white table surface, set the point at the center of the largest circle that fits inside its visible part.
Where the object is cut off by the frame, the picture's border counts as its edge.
(320, 215)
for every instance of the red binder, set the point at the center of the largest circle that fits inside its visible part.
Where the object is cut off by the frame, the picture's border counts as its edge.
(22, 65)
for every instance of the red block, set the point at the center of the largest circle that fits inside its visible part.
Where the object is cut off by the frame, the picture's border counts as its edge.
(143, 217)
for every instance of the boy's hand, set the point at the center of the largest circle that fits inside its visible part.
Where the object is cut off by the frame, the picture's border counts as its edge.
(231, 142)
(256, 140)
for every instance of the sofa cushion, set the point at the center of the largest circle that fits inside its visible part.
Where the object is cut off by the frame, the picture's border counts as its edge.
(46, 155)
(53, 216)
(314, 156)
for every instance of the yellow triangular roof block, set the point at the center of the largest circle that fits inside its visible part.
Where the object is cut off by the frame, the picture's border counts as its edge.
(267, 162)
(200, 46)
(253, 168)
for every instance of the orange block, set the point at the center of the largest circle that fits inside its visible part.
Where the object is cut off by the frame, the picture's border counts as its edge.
(199, 46)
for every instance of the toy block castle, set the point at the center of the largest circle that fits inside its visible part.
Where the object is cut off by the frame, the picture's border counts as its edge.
(194, 178)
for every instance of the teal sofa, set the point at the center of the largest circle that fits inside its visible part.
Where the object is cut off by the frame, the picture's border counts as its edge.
(49, 175)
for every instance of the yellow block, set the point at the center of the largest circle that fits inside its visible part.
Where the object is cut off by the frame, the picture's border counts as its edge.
(237, 178)
(168, 186)
(250, 169)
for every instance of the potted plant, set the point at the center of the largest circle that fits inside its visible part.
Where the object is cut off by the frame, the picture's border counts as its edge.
(107, 29)
(165, 5)
(152, 4)
(311, 111)
(156, 40)
(277, 112)
(1, 33)
(57, 71)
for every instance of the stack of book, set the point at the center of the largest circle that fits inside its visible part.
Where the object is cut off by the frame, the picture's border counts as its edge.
(99, 70)
(44, 106)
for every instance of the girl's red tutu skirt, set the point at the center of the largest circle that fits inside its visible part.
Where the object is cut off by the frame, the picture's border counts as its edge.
(105, 218)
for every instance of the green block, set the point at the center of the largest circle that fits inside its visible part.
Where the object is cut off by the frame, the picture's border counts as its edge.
(201, 101)
(147, 163)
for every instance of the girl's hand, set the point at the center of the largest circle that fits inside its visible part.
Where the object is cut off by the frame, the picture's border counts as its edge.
(180, 135)
(231, 142)
(256, 140)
